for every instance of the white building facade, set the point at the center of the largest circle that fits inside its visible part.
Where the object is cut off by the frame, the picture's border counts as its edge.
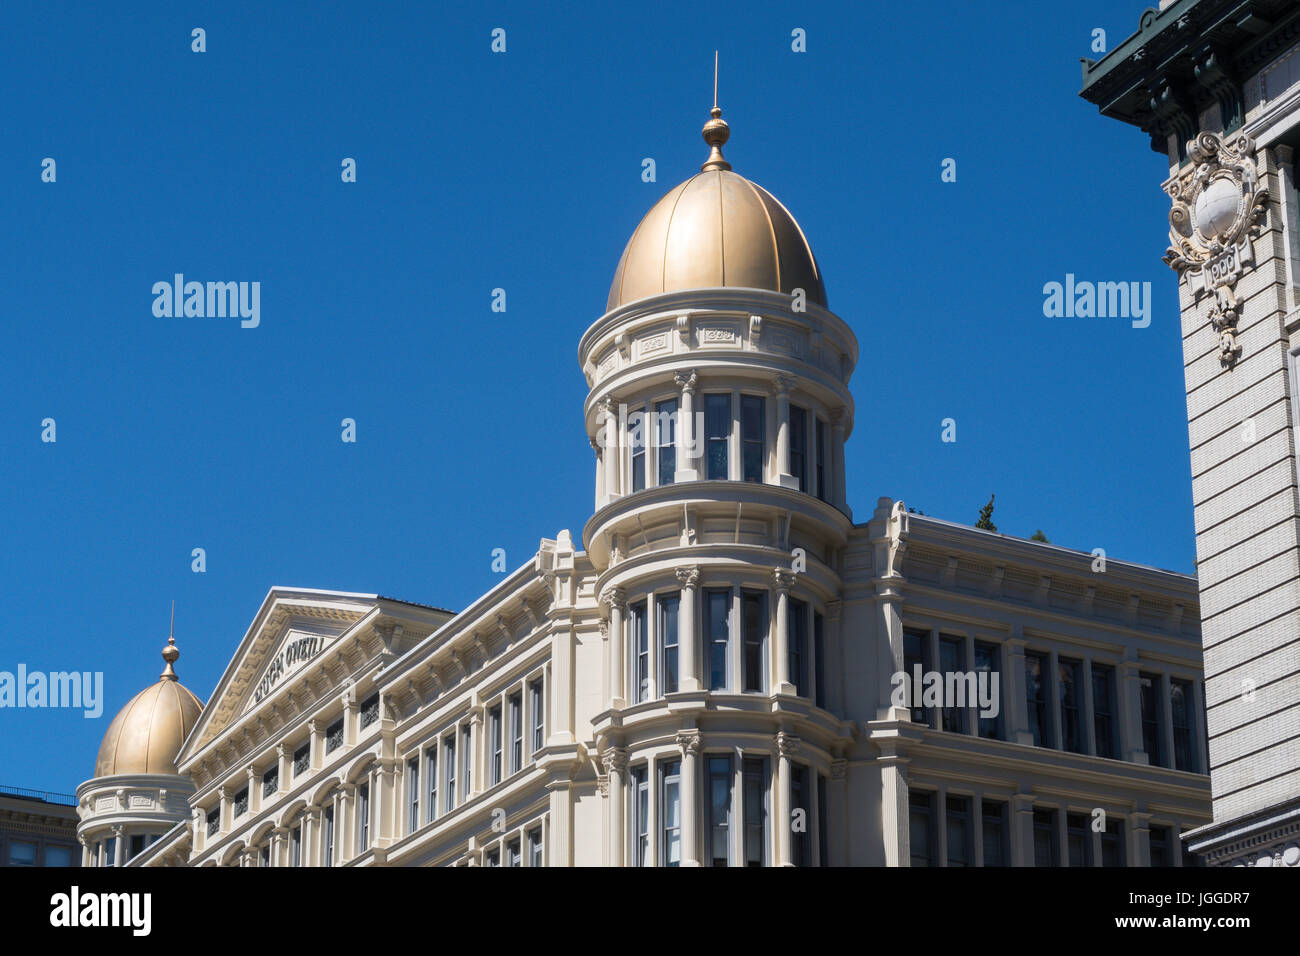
(708, 677)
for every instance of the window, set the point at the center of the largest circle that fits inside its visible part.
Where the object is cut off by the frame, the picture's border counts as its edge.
(1078, 838)
(538, 704)
(821, 461)
(1103, 710)
(535, 847)
(334, 736)
(1180, 700)
(988, 661)
(302, 759)
(797, 644)
(513, 856)
(952, 661)
(1112, 843)
(719, 771)
(110, 851)
(819, 656)
(466, 759)
(799, 446)
(666, 440)
(22, 853)
(916, 654)
(271, 781)
(58, 855)
(516, 733)
(295, 846)
(823, 847)
(494, 737)
(920, 810)
(640, 652)
(960, 836)
(670, 813)
(369, 711)
(637, 439)
(1161, 840)
(1189, 858)
(995, 833)
(449, 767)
(717, 431)
(328, 855)
(753, 436)
(800, 799)
(431, 772)
(241, 802)
(754, 810)
(266, 855)
(717, 611)
(493, 857)
(1069, 676)
(214, 820)
(666, 637)
(754, 607)
(1036, 675)
(1152, 735)
(135, 847)
(413, 794)
(1046, 848)
(640, 792)
(363, 818)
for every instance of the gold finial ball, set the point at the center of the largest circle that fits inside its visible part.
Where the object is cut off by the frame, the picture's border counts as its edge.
(170, 653)
(716, 132)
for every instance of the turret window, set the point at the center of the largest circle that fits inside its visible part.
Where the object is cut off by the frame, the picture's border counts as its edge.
(753, 436)
(638, 440)
(717, 430)
(799, 446)
(665, 432)
(820, 464)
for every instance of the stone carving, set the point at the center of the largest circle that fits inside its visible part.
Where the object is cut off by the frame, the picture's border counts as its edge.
(690, 741)
(1219, 206)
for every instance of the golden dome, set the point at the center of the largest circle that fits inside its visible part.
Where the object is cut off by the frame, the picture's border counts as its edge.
(146, 735)
(716, 229)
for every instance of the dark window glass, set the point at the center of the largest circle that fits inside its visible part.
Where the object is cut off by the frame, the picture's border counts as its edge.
(1079, 837)
(431, 770)
(667, 638)
(302, 759)
(1036, 676)
(271, 780)
(334, 736)
(110, 848)
(799, 446)
(363, 817)
(1161, 840)
(1152, 707)
(494, 741)
(370, 711)
(513, 856)
(638, 439)
(1112, 843)
(1046, 848)
(640, 652)
(1103, 710)
(449, 767)
(717, 430)
(328, 855)
(960, 837)
(535, 847)
(801, 799)
(920, 828)
(136, 847)
(1189, 858)
(797, 644)
(266, 855)
(819, 660)
(538, 703)
(640, 792)
(988, 662)
(214, 821)
(952, 661)
(466, 760)
(241, 802)
(717, 608)
(719, 770)
(755, 810)
(1180, 700)
(666, 440)
(754, 606)
(670, 813)
(916, 653)
(753, 436)
(517, 732)
(821, 460)
(995, 833)
(1069, 675)
(493, 857)
(295, 847)
(823, 824)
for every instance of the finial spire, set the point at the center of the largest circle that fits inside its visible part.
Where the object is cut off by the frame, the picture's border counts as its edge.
(715, 132)
(170, 653)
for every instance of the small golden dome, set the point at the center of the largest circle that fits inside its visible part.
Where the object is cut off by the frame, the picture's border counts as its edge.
(717, 229)
(146, 735)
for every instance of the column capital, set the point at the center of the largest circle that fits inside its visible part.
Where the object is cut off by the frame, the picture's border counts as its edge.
(839, 768)
(685, 380)
(615, 597)
(690, 742)
(614, 760)
(833, 610)
(782, 579)
(688, 577)
(782, 384)
(787, 744)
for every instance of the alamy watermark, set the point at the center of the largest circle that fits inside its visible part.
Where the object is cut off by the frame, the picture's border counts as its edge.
(212, 300)
(1103, 300)
(947, 689)
(37, 689)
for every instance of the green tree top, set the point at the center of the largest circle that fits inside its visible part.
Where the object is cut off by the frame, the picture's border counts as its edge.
(986, 517)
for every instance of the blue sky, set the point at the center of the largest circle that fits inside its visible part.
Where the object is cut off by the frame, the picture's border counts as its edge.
(521, 171)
